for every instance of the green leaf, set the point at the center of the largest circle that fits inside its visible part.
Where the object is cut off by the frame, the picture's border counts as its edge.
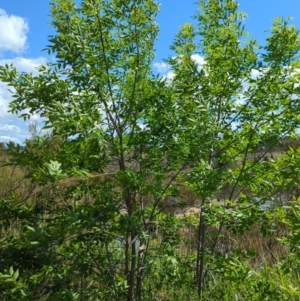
(30, 228)
(16, 274)
(54, 168)
(9, 280)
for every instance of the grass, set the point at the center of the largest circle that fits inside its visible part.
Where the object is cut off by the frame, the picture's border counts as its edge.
(255, 255)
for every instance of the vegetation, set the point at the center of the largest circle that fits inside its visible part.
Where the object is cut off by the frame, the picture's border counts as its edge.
(150, 188)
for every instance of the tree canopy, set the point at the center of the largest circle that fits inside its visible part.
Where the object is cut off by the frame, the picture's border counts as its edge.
(131, 151)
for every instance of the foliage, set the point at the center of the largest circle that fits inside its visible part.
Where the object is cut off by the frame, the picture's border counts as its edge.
(107, 219)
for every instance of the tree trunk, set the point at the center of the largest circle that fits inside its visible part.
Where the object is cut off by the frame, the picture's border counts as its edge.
(200, 254)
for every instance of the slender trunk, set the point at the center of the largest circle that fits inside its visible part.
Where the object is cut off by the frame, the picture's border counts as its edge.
(198, 249)
(130, 244)
(131, 284)
(142, 255)
(127, 244)
(201, 254)
(139, 277)
(201, 244)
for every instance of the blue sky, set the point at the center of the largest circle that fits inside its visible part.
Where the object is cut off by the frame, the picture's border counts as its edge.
(24, 29)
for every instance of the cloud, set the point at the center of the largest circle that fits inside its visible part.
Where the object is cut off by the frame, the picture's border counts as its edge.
(5, 98)
(22, 65)
(169, 76)
(13, 32)
(161, 67)
(13, 38)
(9, 129)
(25, 64)
(255, 74)
(11, 126)
(8, 138)
(10, 133)
(164, 68)
(198, 59)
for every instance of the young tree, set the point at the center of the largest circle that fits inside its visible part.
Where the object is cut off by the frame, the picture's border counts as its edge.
(128, 139)
(242, 98)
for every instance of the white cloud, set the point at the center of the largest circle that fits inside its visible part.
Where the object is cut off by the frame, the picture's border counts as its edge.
(22, 65)
(164, 68)
(9, 129)
(25, 64)
(8, 138)
(161, 67)
(255, 74)
(13, 37)
(13, 32)
(11, 126)
(170, 75)
(198, 59)
(5, 98)
(10, 132)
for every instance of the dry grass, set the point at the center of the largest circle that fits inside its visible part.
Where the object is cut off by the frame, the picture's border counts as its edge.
(12, 179)
(266, 248)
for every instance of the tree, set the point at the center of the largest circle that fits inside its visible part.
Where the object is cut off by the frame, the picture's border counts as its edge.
(126, 139)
